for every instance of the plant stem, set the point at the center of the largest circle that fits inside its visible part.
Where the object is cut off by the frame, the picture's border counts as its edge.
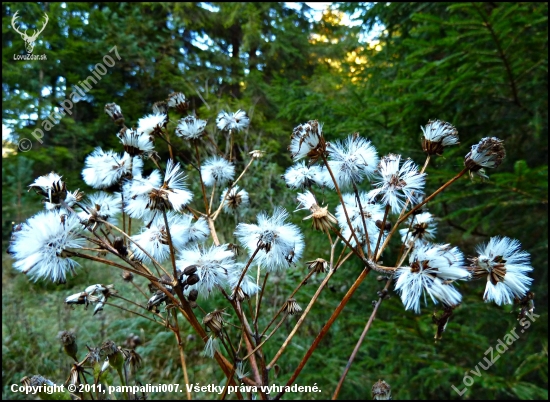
(310, 273)
(170, 244)
(302, 319)
(230, 188)
(325, 329)
(259, 302)
(366, 329)
(266, 339)
(343, 205)
(200, 177)
(176, 329)
(386, 212)
(246, 268)
(402, 219)
(362, 219)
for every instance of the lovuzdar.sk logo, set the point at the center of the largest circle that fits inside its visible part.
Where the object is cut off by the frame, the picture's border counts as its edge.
(29, 39)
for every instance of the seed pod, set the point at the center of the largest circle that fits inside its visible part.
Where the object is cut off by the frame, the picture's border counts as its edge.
(193, 294)
(127, 276)
(114, 112)
(191, 280)
(190, 270)
(68, 340)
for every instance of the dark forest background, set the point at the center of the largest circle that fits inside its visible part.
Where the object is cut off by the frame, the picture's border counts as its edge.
(481, 66)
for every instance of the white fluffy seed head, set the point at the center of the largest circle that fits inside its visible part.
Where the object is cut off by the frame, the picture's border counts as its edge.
(277, 244)
(352, 160)
(134, 142)
(149, 124)
(40, 245)
(438, 135)
(191, 128)
(504, 265)
(422, 230)
(237, 121)
(432, 269)
(488, 153)
(217, 170)
(371, 212)
(101, 205)
(300, 176)
(214, 264)
(104, 169)
(236, 198)
(398, 182)
(307, 140)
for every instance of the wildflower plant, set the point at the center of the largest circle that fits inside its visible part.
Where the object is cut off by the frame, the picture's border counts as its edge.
(146, 221)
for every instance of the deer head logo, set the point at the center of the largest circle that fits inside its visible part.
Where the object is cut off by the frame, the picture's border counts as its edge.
(29, 40)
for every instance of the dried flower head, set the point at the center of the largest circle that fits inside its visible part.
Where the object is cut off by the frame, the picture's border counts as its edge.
(256, 154)
(78, 298)
(322, 219)
(68, 340)
(488, 153)
(176, 100)
(318, 266)
(237, 121)
(37, 381)
(191, 128)
(127, 276)
(160, 107)
(134, 142)
(115, 112)
(292, 307)
(51, 187)
(234, 199)
(442, 321)
(214, 321)
(438, 135)
(307, 141)
(114, 354)
(158, 297)
(152, 124)
(505, 266)
(381, 391)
